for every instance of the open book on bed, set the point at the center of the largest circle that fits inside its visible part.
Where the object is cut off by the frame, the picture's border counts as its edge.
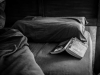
(74, 47)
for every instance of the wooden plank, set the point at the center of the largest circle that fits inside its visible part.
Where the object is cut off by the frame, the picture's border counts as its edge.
(18, 9)
(87, 8)
(40, 7)
(92, 22)
(97, 51)
(99, 14)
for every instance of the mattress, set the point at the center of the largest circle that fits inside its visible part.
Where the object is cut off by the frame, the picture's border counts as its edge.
(38, 30)
(63, 64)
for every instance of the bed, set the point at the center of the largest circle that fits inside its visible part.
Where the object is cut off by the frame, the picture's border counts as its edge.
(33, 55)
(41, 32)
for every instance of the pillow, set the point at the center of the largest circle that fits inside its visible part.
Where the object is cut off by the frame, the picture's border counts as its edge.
(2, 14)
(52, 29)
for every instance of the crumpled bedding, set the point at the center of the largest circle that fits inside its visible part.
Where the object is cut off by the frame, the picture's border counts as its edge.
(63, 63)
(42, 40)
(2, 13)
(15, 55)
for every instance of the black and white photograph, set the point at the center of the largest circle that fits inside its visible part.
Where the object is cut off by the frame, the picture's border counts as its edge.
(49, 37)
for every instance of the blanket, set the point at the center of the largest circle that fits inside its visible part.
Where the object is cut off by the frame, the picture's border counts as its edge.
(15, 55)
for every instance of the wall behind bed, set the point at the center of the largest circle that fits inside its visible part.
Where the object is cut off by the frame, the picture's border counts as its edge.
(87, 8)
(18, 9)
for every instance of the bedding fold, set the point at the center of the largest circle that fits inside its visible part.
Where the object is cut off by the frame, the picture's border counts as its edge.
(15, 55)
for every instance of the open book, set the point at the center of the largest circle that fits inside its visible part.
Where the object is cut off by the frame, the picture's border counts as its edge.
(74, 47)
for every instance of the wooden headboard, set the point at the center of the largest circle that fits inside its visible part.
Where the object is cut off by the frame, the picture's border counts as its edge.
(18, 9)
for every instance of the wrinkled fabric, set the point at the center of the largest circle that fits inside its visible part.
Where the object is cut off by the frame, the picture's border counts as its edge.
(50, 29)
(15, 55)
(63, 63)
(2, 13)
(46, 34)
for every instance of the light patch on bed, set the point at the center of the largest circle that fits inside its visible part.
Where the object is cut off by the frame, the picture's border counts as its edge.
(92, 30)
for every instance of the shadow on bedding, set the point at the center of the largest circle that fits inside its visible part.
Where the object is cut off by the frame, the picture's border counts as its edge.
(15, 55)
